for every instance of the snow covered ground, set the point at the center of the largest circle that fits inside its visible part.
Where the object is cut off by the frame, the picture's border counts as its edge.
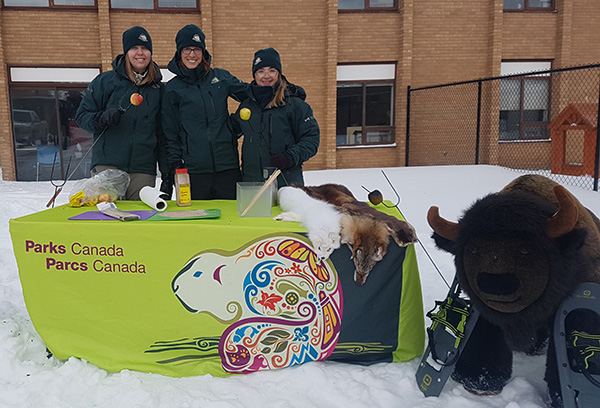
(28, 378)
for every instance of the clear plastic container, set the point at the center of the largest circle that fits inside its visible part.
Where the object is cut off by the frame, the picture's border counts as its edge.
(183, 191)
(245, 194)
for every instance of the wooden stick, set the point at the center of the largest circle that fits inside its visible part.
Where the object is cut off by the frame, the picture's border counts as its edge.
(262, 190)
(56, 193)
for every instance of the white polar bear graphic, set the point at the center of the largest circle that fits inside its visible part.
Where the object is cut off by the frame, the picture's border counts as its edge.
(283, 305)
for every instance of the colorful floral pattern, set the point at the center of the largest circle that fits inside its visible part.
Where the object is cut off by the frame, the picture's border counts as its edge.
(282, 305)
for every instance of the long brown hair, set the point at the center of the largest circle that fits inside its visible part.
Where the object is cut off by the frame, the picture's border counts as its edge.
(150, 76)
(279, 97)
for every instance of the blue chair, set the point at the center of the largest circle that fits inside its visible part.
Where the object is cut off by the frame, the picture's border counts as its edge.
(46, 157)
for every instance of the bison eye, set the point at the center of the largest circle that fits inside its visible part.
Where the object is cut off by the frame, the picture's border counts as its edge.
(524, 251)
(473, 250)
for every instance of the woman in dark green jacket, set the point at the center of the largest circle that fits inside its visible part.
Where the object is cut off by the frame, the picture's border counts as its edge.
(278, 126)
(127, 135)
(196, 119)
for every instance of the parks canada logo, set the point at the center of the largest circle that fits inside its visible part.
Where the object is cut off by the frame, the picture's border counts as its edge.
(89, 257)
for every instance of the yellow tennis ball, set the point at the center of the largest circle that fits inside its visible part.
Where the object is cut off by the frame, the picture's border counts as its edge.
(245, 114)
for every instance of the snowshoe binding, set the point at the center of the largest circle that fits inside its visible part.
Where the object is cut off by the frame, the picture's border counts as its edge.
(452, 323)
(577, 343)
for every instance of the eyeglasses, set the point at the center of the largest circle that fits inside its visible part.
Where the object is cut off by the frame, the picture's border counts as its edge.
(264, 71)
(189, 50)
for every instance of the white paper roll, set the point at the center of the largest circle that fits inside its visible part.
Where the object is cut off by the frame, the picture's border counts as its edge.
(151, 197)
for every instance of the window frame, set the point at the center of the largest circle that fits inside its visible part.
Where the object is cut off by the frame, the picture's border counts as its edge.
(156, 7)
(13, 79)
(527, 9)
(47, 83)
(369, 73)
(533, 75)
(368, 9)
(62, 164)
(365, 128)
(52, 6)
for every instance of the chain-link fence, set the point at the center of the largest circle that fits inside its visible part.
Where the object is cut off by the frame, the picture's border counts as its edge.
(543, 122)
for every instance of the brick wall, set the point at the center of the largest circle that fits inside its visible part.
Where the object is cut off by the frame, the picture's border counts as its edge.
(585, 36)
(451, 42)
(529, 36)
(7, 157)
(431, 42)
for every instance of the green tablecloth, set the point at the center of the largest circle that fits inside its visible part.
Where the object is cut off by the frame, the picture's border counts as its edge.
(219, 296)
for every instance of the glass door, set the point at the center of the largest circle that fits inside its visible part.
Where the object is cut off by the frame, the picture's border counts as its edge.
(46, 137)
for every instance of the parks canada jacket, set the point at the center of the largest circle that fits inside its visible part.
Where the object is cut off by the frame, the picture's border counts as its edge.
(290, 128)
(196, 118)
(137, 142)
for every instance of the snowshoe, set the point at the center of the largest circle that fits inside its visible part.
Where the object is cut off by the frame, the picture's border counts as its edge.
(577, 342)
(452, 323)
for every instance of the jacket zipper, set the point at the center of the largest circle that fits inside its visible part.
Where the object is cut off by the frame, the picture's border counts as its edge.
(208, 135)
(132, 138)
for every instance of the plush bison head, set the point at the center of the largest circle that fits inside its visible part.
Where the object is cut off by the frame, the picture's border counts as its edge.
(516, 254)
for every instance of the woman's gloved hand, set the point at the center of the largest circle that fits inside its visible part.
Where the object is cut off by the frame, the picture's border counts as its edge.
(109, 117)
(282, 161)
(168, 180)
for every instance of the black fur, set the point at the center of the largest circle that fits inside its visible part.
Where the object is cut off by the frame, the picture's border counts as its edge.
(517, 276)
(520, 216)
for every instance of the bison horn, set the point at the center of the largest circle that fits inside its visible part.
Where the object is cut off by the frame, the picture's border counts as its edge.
(565, 218)
(441, 226)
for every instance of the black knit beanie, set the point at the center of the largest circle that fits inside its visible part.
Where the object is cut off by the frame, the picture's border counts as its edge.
(190, 36)
(136, 36)
(267, 57)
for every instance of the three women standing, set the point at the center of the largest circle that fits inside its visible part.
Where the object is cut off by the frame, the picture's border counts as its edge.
(199, 135)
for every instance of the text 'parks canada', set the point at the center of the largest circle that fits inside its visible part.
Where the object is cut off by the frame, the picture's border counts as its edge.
(76, 249)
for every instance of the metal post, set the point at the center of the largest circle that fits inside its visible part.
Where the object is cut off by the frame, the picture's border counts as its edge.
(478, 132)
(597, 158)
(407, 149)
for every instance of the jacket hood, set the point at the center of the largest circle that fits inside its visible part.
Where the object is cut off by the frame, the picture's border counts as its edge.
(295, 90)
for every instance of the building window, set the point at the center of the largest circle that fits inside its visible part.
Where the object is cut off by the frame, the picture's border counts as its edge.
(368, 5)
(365, 104)
(528, 5)
(46, 138)
(524, 101)
(154, 4)
(48, 3)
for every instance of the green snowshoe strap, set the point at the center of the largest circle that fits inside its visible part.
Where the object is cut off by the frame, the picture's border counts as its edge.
(583, 347)
(448, 313)
(452, 315)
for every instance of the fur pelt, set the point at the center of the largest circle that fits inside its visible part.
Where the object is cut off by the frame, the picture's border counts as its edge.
(401, 231)
(321, 219)
(518, 254)
(368, 239)
(365, 229)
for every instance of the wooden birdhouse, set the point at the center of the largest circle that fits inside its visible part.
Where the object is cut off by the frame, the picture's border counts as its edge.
(574, 134)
